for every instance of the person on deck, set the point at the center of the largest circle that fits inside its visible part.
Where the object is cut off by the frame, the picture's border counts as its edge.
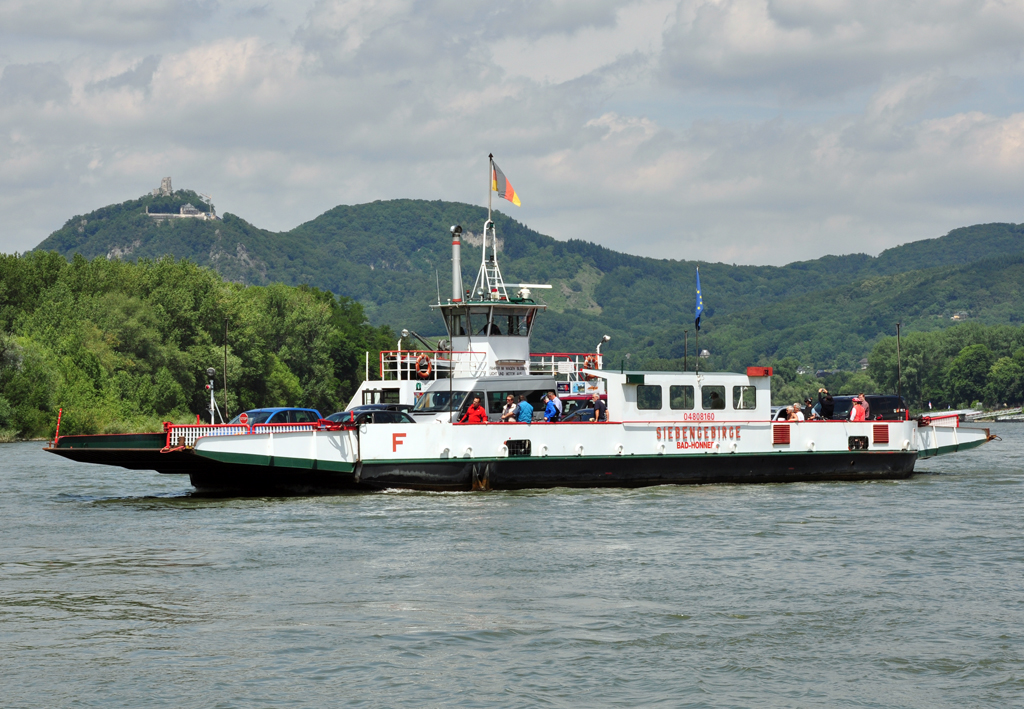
(866, 405)
(600, 408)
(511, 411)
(857, 412)
(552, 412)
(475, 413)
(798, 414)
(826, 403)
(525, 410)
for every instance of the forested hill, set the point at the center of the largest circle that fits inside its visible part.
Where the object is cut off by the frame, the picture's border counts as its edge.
(826, 312)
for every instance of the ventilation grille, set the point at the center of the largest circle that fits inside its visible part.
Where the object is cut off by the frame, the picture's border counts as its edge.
(880, 433)
(780, 434)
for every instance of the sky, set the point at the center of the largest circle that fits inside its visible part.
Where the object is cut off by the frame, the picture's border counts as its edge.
(743, 131)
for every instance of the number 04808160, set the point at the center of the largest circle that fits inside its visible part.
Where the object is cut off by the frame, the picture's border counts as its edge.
(699, 417)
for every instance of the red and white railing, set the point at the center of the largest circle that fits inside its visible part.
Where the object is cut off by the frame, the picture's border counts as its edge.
(569, 364)
(186, 435)
(431, 364)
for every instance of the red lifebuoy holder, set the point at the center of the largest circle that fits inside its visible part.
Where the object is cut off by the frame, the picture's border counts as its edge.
(423, 366)
(590, 363)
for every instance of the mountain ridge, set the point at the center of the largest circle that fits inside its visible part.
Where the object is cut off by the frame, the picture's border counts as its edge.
(384, 254)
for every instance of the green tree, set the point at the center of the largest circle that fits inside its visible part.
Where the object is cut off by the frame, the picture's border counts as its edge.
(1005, 382)
(967, 374)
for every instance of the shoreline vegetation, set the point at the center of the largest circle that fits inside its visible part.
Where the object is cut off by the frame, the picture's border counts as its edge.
(124, 346)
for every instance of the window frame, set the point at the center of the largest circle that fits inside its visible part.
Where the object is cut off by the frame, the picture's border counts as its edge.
(738, 392)
(671, 397)
(661, 399)
(712, 387)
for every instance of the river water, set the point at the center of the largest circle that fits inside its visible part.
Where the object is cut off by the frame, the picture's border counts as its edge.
(119, 589)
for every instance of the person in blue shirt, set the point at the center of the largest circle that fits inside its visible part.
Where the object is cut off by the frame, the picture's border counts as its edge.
(551, 411)
(525, 410)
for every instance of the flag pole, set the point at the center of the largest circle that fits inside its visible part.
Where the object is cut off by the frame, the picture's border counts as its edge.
(696, 341)
(483, 244)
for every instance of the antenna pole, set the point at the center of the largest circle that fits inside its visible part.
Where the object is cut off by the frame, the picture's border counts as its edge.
(899, 366)
(490, 174)
(686, 350)
(225, 368)
(696, 341)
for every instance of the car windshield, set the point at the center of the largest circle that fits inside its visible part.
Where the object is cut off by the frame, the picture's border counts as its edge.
(254, 417)
(437, 401)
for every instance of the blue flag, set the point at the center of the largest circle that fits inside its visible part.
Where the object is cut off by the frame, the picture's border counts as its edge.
(700, 303)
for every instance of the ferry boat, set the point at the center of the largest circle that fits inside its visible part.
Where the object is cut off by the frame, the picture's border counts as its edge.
(664, 427)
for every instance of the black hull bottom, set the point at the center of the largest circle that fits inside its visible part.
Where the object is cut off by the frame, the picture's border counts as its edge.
(527, 473)
(454, 475)
(177, 462)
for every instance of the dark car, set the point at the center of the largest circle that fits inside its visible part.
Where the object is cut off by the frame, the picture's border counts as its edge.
(579, 415)
(279, 415)
(372, 413)
(884, 407)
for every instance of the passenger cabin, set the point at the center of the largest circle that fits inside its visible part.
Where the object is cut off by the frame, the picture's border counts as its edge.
(687, 396)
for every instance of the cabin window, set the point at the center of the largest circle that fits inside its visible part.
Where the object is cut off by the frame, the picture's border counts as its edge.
(648, 396)
(712, 398)
(517, 325)
(744, 397)
(478, 321)
(680, 397)
(456, 326)
(507, 321)
(496, 400)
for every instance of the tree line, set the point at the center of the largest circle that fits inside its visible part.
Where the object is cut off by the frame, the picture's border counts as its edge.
(123, 346)
(956, 367)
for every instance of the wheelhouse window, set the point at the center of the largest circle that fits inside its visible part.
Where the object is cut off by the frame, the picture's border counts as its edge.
(479, 321)
(680, 397)
(744, 397)
(510, 321)
(712, 398)
(456, 325)
(648, 397)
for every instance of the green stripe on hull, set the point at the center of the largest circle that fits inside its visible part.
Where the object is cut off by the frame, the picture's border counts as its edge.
(267, 461)
(479, 459)
(943, 450)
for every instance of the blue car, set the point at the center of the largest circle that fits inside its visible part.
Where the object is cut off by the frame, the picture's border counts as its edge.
(279, 415)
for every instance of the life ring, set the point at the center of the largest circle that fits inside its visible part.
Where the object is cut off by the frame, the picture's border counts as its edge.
(590, 363)
(422, 371)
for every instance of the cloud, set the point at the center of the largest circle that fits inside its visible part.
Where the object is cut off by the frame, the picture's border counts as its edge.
(102, 21)
(651, 126)
(138, 77)
(39, 83)
(820, 48)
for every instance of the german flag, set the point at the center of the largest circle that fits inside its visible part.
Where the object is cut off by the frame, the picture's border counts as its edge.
(502, 186)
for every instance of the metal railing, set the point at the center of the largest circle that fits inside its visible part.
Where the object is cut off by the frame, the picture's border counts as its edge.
(187, 434)
(567, 364)
(427, 365)
(283, 427)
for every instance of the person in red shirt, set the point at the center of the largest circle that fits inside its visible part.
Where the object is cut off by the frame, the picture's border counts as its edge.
(475, 413)
(857, 412)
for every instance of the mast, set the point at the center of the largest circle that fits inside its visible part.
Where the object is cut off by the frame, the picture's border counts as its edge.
(489, 284)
